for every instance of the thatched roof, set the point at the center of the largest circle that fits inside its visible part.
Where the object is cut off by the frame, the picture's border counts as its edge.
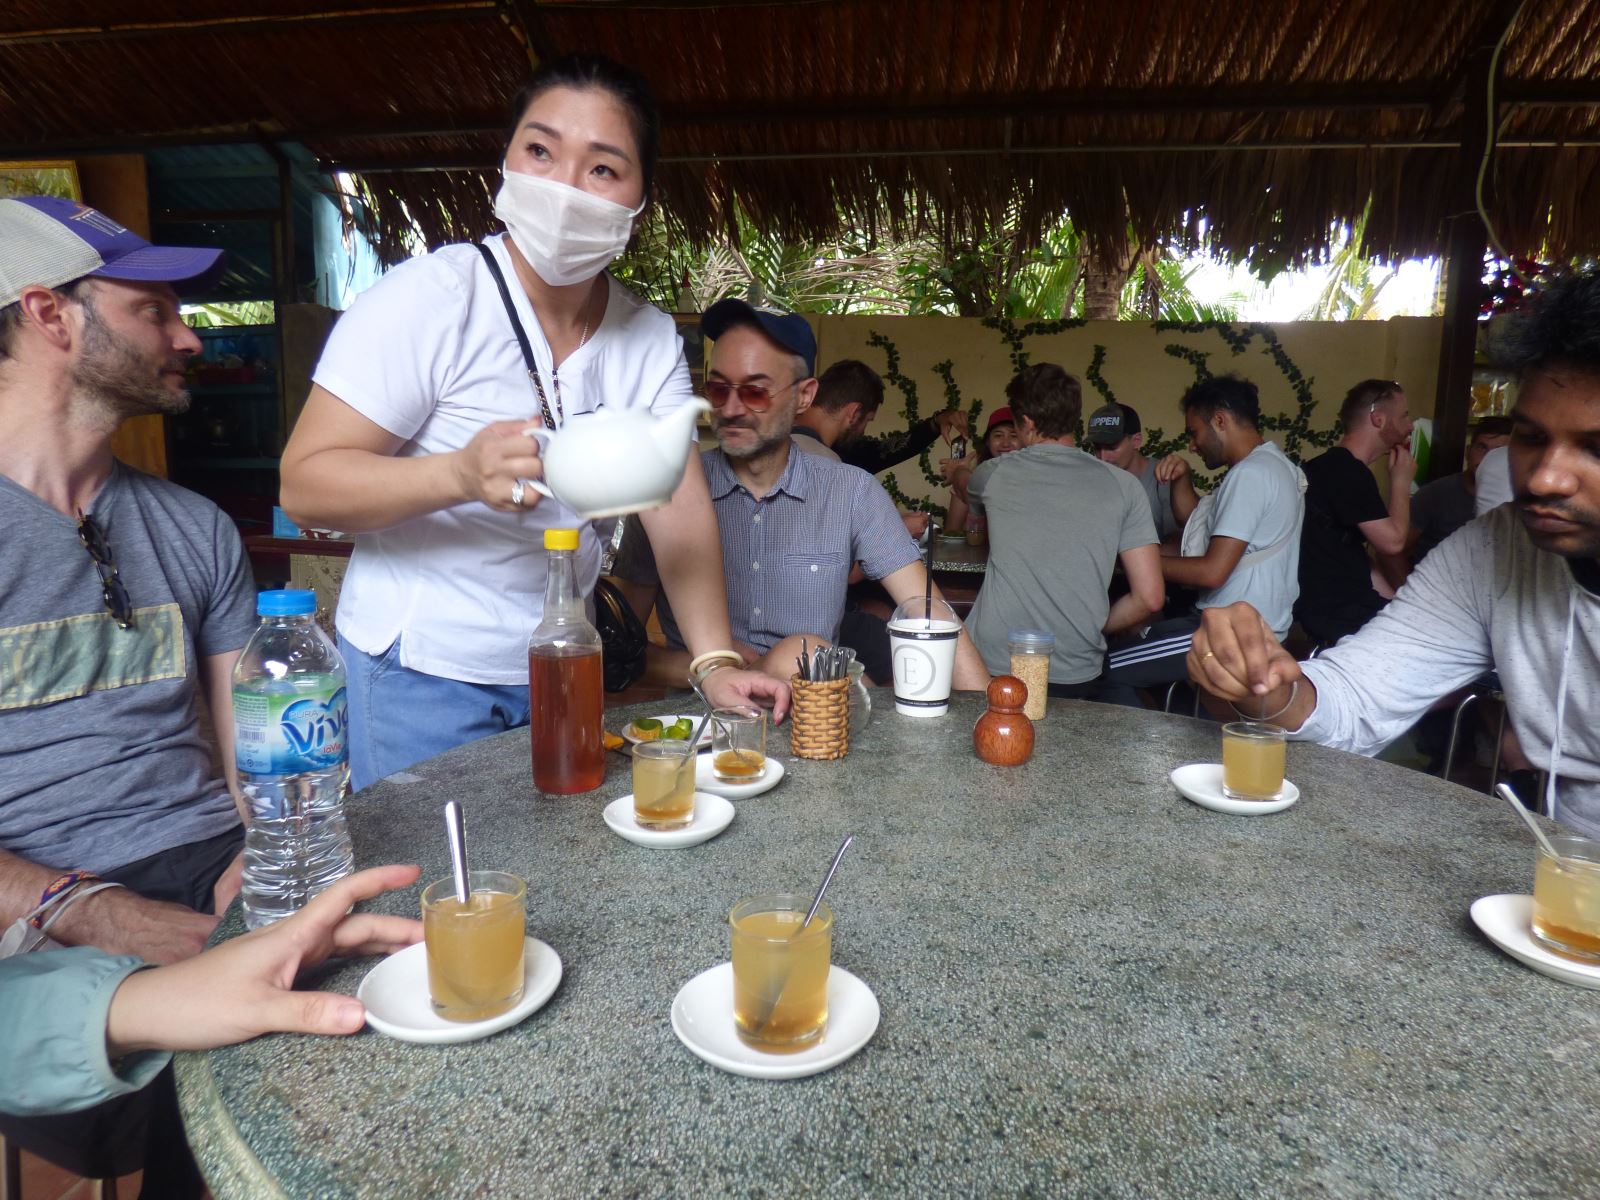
(1271, 121)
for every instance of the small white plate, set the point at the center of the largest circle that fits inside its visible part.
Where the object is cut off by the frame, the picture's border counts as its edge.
(705, 779)
(668, 719)
(1202, 783)
(1507, 921)
(711, 816)
(702, 1017)
(395, 993)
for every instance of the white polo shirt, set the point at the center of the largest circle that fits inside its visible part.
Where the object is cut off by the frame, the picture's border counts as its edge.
(429, 354)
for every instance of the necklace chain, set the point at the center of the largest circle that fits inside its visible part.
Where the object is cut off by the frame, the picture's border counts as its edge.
(555, 379)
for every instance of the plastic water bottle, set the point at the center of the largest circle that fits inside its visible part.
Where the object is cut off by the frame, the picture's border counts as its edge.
(289, 718)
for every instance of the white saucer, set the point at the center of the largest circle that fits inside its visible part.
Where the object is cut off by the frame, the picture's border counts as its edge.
(670, 718)
(702, 1017)
(711, 816)
(705, 780)
(1507, 921)
(395, 993)
(1202, 783)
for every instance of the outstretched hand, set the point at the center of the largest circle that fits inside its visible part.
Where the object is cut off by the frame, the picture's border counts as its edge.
(1235, 655)
(245, 987)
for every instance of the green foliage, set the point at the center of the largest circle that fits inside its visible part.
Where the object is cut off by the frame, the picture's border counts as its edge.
(245, 312)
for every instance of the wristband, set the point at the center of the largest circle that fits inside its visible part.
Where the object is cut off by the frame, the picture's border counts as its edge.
(60, 884)
(1294, 690)
(697, 668)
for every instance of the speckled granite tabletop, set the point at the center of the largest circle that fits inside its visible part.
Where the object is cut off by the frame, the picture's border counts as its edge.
(1089, 986)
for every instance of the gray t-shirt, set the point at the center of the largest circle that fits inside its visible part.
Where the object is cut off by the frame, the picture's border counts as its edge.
(1438, 510)
(1260, 502)
(1058, 519)
(1159, 495)
(104, 762)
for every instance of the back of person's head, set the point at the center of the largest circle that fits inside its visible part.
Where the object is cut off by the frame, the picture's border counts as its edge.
(1225, 393)
(595, 72)
(1559, 326)
(1358, 401)
(849, 381)
(1492, 427)
(1047, 396)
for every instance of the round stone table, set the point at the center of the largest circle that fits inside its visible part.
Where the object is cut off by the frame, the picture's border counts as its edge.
(1089, 986)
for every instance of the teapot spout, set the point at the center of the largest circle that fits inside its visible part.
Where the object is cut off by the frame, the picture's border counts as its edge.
(675, 430)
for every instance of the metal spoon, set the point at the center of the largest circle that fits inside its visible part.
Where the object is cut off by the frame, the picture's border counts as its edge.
(711, 716)
(811, 912)
(1510, 797)
(456, 833)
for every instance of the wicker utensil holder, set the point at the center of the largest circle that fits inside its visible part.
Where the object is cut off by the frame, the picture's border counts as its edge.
(819, 720)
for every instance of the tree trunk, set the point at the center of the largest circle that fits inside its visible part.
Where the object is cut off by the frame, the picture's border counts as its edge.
(1103, 283)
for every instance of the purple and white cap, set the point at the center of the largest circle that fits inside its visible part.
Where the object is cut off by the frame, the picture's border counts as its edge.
(47, 241)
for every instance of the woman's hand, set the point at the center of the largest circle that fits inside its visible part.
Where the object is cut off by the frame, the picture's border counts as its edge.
(726, 687)
(245, 987)
(487, 468)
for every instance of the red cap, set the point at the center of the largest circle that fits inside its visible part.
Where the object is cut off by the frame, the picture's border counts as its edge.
(1001, 416)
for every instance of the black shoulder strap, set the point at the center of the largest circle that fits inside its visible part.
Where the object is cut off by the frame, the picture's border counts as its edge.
(522, 341)
(511, 308)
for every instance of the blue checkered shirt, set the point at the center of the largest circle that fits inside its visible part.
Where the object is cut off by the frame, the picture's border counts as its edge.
(787, 556)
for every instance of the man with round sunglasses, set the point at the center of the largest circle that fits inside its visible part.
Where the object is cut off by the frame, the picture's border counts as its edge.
(123, 600)
(792, 523)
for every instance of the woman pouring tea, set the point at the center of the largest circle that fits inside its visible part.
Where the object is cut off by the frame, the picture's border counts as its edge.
(414, 437)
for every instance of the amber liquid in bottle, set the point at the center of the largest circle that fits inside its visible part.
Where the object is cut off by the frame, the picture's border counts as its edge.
(567, 698)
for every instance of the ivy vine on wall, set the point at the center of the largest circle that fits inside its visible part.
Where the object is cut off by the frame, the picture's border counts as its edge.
(1296, 428)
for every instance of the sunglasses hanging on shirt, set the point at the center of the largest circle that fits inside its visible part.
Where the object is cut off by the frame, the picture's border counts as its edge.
(111, 589)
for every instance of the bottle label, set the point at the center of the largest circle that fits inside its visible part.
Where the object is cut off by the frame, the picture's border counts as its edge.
(289, 735)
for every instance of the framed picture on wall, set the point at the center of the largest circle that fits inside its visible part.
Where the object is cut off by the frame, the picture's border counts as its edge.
(40, 177)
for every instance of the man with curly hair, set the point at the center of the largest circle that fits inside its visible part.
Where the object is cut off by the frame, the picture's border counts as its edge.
(1517, 591)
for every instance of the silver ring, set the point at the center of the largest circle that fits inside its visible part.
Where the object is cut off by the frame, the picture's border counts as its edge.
(518, 487)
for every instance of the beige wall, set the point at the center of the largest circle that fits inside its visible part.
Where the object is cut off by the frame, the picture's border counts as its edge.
(1333, 355)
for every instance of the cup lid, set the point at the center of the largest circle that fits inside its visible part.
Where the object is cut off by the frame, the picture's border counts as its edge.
(1035, 640)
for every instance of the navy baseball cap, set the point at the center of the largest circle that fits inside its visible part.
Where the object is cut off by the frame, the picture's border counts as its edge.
(791, 332)
(48, 241)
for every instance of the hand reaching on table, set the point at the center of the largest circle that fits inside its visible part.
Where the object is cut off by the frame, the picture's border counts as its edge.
(1235, 655)
(244, 987)
(728, 687)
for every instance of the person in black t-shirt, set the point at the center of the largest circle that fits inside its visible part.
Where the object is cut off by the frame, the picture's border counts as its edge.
(1345, 512)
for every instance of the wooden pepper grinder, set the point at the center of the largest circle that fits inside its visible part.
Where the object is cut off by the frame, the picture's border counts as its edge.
(1003, 735)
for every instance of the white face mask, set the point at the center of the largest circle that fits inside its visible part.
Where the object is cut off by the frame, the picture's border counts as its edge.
(566, 234)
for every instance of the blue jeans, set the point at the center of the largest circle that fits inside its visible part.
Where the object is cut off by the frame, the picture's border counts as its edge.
(399, 716)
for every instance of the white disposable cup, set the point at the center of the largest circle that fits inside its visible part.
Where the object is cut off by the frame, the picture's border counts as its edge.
(923, 644)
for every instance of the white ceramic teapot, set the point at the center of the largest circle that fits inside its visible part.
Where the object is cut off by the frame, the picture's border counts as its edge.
(615, 461)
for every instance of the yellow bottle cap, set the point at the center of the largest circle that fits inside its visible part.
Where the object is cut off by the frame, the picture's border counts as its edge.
(560, 539)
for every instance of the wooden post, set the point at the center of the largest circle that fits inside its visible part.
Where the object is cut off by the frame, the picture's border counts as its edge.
(1467, 241)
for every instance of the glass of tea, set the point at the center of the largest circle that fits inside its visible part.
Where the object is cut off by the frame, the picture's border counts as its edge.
(1566, 897)
(663, 784)
(1252, 760)
(780, 973)
(475, 949)
(739, 744)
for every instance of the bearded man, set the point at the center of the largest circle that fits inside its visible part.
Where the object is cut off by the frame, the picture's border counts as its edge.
(792, 523)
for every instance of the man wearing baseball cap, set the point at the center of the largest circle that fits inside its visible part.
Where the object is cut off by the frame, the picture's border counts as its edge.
(793, 524)
(1116, 435)
(125, 597)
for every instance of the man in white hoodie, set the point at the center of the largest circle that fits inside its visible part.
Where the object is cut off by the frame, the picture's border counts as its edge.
(1517, 590)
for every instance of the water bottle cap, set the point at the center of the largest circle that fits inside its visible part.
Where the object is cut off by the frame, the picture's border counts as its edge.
(288, 602)
(560, 539)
